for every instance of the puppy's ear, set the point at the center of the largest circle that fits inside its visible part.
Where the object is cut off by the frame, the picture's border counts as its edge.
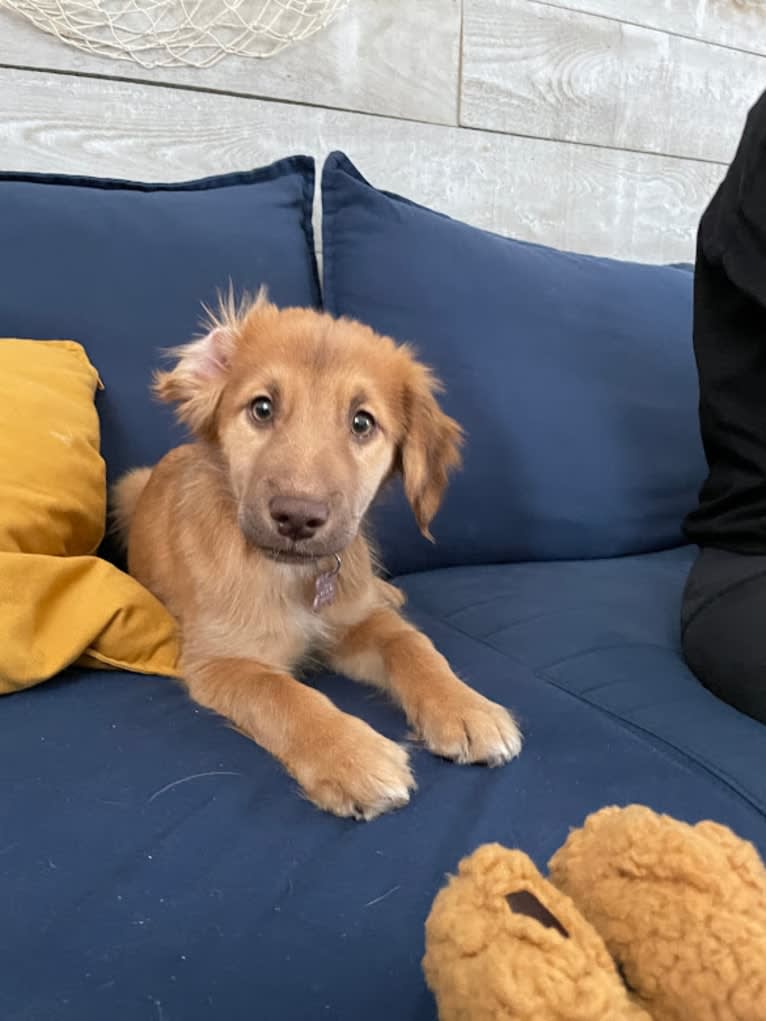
(430, 449)
(197, 381)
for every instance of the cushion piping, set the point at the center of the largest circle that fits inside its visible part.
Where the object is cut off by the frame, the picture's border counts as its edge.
(281, 168)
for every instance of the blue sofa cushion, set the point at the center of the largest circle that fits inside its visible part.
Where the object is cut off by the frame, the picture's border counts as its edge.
(573, 375)
(124, 268)
(607, 631)
(156, 864)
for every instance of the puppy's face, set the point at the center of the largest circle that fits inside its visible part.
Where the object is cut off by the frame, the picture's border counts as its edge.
(311, 414)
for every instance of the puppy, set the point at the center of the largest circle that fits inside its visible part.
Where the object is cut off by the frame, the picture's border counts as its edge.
(252, 538)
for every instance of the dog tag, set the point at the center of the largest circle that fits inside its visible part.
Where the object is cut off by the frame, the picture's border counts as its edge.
(326, 587)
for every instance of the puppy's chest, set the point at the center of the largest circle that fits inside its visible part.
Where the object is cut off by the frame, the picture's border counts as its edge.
(272, 619)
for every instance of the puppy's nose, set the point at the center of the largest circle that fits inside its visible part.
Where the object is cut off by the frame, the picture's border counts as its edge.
(297, 518)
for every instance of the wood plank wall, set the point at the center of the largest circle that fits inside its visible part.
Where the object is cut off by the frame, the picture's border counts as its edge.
(597, 125)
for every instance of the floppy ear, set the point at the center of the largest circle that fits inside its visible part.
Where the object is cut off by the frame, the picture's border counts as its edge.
(430, 449)
(197, 381)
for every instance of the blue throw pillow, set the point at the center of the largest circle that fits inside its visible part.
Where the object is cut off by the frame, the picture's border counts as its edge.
(572, 375)
(124, 268)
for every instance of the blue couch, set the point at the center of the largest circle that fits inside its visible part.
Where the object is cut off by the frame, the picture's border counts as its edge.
(156, 865)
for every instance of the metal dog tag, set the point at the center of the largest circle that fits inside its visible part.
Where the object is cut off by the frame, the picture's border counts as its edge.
(326, 587)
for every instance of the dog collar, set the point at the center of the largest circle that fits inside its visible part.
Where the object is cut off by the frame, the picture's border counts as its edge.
(326, 586)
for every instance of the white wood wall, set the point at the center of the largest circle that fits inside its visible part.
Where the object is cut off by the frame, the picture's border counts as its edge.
(597, 125)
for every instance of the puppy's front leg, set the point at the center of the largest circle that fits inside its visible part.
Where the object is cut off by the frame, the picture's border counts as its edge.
(342, 764)
(452, 719)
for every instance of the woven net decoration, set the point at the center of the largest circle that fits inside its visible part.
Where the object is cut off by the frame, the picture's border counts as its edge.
(172, 33)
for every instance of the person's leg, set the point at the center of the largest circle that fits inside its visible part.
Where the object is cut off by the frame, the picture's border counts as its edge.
(724, 609)
(724, 628)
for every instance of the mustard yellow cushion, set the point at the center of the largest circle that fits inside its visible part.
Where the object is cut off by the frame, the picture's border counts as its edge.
(58, 604)
(52, 488)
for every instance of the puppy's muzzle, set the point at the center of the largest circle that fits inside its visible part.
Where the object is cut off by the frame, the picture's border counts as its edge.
(298, 518)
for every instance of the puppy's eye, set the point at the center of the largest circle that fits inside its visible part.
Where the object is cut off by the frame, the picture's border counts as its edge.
(362, 424)
(262, 409)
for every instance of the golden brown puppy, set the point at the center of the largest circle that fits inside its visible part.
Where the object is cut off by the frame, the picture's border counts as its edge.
(298, 419)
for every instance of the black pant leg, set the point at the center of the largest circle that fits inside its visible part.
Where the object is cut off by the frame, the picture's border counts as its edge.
(724, 628)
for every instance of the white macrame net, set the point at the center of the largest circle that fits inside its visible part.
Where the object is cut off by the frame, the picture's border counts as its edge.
(171, 33)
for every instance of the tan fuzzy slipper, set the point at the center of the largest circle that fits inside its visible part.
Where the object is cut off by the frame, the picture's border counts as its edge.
(681, 908)
(502, 944)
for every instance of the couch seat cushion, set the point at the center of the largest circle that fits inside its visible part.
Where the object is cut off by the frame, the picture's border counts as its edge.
(156, 864)
(608, 632)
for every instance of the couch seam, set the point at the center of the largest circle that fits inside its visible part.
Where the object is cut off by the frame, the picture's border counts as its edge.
(722, 778)
(573, 657)
(329, 229)
(307, 211)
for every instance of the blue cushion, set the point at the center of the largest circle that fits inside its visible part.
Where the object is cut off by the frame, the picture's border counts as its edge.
(124, 268)
(154, 863)
(573, 375)
(608, 632)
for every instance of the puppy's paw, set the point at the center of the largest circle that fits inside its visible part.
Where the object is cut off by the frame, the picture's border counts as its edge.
(467, 727)
(355, 772)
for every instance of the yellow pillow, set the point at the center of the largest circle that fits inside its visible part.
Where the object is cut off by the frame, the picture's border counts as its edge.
(58, 604)
(52, 488)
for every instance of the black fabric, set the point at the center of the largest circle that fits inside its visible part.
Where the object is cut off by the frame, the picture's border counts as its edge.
(525, 903)
(724, 632)
(730, 348)
(724, 609)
